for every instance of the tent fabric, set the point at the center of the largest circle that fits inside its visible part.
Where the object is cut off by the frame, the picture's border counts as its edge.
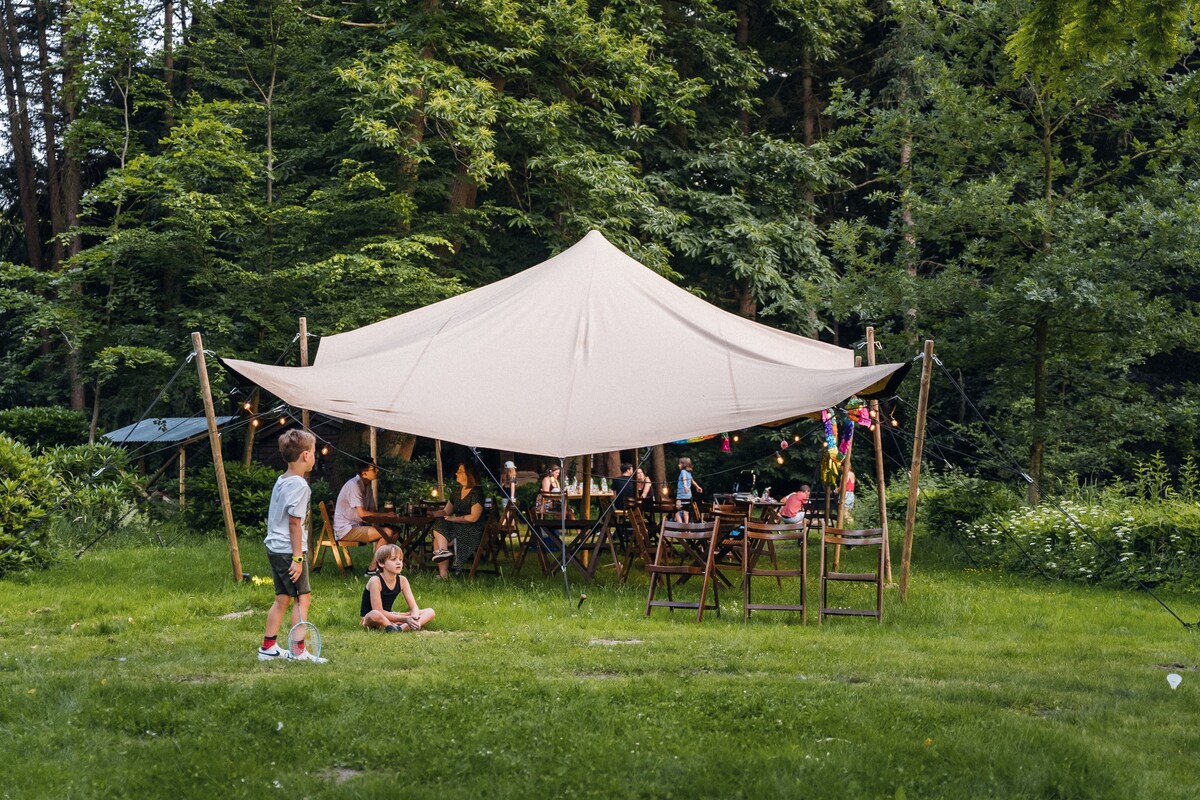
(587, 352)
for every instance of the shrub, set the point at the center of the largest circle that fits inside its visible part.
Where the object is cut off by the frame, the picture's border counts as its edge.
(952, 497)
(29, 492)
(98, 487)
(249, 496)
(1119, 545)
(42, 427)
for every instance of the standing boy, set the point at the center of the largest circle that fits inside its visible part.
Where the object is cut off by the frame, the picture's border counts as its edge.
(287, 545)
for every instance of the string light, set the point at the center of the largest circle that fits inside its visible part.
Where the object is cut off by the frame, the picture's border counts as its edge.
(324, 451)
(736, 437)
(282, 421)
(254, 423)
(433, 492)
(664, 491)
(796, 438)
(779, 459)
(246, 405)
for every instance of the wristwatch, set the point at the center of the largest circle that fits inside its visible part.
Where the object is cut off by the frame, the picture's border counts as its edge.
(298, 559)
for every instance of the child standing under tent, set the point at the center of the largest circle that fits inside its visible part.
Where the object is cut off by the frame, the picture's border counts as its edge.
(287, 545)
(381, 592)
(683, 490)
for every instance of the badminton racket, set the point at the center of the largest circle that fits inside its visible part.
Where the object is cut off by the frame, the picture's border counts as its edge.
(304, 636)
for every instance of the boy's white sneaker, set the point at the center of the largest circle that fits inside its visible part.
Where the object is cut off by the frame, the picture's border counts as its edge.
(273, 653)
(305, 655)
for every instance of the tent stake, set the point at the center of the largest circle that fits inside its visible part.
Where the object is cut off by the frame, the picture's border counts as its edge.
(214, 440)
(915, 471)
(880, 481)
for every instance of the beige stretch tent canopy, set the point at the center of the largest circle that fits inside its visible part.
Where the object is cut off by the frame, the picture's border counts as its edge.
(587, 352)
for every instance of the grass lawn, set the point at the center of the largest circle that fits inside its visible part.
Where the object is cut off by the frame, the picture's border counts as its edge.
(130, 673)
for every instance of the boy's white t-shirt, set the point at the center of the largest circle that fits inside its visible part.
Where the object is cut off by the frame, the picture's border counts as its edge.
(289, 498)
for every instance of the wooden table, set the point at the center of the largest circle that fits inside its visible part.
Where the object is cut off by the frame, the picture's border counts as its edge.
(413, 530)
(591, 537)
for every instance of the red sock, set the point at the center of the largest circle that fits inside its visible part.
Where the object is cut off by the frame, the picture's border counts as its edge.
(300, 646)
(268, 641)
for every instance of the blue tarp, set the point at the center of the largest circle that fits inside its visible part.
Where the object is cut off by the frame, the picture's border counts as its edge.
(163, 429)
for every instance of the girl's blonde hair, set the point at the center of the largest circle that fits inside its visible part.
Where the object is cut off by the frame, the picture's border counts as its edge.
(387, 551)
(686, 463)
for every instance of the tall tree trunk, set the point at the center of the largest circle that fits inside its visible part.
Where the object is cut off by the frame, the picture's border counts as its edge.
(1041, 326)
(1037, 448)
(743, 42)
(169, 60)
(17, 104)
(72, 174)
(658, 470)
(53, 184)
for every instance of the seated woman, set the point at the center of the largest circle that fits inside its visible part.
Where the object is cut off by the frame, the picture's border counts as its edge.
(462, 522)
(642, 484)
(549, 492)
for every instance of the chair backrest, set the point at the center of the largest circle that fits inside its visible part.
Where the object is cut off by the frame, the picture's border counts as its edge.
(687, 530)
(325, 521)
(730, 509)
(767, 530)
(845, 536)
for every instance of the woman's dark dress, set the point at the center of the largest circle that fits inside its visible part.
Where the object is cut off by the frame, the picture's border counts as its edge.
(468, 534)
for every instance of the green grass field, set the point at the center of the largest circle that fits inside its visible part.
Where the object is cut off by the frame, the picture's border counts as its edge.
(132, 673)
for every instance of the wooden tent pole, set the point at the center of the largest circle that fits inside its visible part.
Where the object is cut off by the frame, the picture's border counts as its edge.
(587, 487)
(182, 467)
(214, 439)
(843, 478)
(437, 454)
(305, 416)
(910, 516)
(373, 449)
(880, 480)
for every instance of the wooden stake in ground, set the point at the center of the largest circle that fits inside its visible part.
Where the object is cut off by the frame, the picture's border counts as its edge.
(214, 439)
(305, 417)
(880, 482)
(910, 516)
(182, 466)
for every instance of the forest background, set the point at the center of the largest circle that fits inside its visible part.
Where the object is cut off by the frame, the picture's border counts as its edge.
(1021, 189)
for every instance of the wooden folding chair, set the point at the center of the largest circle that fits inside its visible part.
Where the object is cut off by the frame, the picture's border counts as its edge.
(759, 534)
(489, 547)
(684, 550)
(839, 537)
(730, 520)
(639, 541)
(327, 542)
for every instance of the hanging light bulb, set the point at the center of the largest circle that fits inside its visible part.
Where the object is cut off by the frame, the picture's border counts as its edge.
(664, 491)
(894, 423)
(283, 421)
(246, 405)
(253, 423)
(796, 438)
(736, 437)
(779, 459)
(433, 491)
(874, 414)
(324, 451)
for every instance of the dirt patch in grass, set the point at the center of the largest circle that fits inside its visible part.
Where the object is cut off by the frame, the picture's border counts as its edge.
(339, 775)
(1177, 667)
(610, 642)
(598, 676)
(237, 614)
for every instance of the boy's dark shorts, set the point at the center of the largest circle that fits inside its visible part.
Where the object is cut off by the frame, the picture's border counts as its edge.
(280, 564)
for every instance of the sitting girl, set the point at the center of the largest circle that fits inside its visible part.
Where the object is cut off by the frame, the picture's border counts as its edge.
(381, 591)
